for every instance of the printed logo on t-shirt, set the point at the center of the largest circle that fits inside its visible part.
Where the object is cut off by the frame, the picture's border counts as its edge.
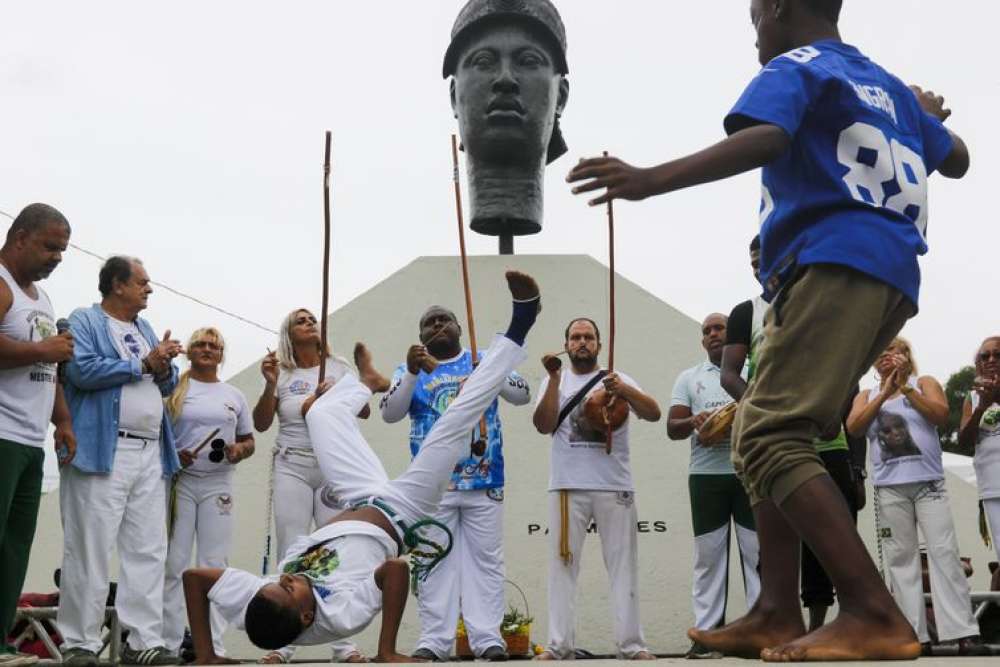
(299, 387)
(991, 421)
(495, 494)
(581, 433)
(40, 326)
(316, 563)
(895, 441)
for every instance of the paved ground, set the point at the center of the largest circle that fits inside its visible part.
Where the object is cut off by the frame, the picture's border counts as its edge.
(924, 662)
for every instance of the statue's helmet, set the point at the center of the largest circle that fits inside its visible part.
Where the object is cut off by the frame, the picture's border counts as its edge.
(539, 14)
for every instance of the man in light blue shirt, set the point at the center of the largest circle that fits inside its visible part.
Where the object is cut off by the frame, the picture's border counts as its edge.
(113, 494)
(717, 495)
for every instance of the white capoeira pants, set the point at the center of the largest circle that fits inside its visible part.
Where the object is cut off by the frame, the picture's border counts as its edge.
(203, 512)
(470, 580)
(127, 508)
(615, 514)
(710, 586)
(716, 502)
(901, 509)
(301, 501)
(355, 472)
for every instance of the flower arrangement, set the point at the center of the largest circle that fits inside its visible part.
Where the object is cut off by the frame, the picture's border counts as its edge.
(515, 629)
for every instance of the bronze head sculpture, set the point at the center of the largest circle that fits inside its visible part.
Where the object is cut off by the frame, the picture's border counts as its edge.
(507, 60)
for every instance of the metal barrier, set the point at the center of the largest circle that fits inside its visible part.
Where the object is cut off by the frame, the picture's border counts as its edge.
(33, 616)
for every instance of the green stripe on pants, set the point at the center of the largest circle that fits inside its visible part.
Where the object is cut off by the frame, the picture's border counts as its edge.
(716, 498)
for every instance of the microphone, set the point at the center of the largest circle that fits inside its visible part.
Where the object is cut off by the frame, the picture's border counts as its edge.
(62, 326)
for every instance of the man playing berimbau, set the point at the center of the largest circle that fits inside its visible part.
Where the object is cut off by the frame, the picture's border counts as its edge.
(589, 483)
(334, 582)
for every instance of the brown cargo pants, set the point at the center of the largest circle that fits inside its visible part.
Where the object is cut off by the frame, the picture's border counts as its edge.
(822, 333)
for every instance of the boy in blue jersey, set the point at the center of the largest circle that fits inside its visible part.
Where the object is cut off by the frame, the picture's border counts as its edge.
(471, 580)
(846, 150)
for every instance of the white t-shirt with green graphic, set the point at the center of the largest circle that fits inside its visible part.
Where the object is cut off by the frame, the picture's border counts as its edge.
(987, 458)
(339, 560)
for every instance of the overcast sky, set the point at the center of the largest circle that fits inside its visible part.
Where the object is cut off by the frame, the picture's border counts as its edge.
(190, 134)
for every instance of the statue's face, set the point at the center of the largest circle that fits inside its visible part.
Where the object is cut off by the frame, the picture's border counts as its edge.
(505, 94)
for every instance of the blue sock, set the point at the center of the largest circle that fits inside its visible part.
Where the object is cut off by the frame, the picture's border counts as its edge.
(521, 319)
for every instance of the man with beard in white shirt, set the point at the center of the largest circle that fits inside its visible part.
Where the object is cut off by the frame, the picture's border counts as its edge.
(589, 484)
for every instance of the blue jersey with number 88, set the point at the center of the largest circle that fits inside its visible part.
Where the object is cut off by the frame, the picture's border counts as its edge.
(852, 189)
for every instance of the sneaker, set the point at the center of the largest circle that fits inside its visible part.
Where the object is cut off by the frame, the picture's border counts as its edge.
(495, 653)
(79, 657)
(426, 655)
(701, 652)
(973, 646)
(16, 659)
(157, 655)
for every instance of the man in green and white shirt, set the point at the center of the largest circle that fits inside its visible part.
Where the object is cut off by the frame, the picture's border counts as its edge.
(717, 495)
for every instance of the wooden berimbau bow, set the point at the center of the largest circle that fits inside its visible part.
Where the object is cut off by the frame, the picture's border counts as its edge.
(479, 445)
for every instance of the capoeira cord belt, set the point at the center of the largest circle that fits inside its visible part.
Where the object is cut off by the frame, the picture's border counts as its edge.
(425, 551)
(564, 551)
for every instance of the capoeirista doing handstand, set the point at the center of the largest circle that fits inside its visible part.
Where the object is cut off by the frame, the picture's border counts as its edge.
(333, 582)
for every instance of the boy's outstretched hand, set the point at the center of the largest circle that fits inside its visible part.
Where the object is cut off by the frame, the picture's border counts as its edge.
(621, 180)
(931, 103)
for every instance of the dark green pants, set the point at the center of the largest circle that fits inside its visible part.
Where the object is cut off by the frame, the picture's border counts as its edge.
(20, 493)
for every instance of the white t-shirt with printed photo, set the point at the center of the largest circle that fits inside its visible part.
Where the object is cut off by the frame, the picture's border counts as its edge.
(579, 457)
(340, 560)
(141, 409)
(208, 406)
(987, 457)
(294, 387)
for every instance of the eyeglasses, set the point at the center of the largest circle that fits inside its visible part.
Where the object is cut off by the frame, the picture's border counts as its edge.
(985, 356)
(215, 347)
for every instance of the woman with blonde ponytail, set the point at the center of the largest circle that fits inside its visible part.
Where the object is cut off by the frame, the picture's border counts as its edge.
(203, 409)
(301, 502)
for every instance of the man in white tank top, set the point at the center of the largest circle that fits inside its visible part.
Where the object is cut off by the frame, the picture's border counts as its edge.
(30, 397)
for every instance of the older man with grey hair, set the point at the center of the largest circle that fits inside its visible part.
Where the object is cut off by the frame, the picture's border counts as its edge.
(113, 494)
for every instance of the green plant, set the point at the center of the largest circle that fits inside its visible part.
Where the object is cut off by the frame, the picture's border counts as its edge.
(515, 622)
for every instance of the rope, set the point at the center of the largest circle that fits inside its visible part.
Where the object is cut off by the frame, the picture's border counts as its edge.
(564, 551)
(176, 292)
(267, 514)
(878, 533)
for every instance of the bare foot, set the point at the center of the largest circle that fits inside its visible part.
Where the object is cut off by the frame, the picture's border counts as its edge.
(545, 655)
(746, 637)
(369, 377)
(523, 287)
(355, 658)
(272, 658)
(882, 636)
(642, 655)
